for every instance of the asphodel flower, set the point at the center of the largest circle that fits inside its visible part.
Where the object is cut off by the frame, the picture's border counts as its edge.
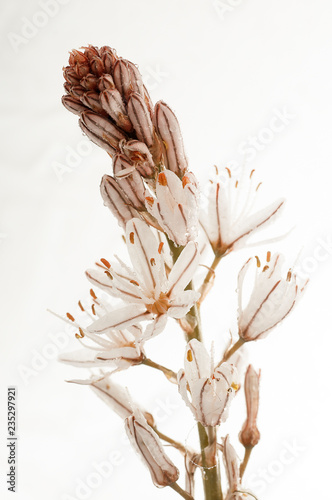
(211, 390)
(117, 349)
(149, 447)
(228, 220)
(147, 291)
(272, 298)
(250, 435)
(175, 206)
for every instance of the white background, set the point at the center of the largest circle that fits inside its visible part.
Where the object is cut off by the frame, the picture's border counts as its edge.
(225, 75)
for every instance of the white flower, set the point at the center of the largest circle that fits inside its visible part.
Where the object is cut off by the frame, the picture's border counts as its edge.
(211, 390)
(175, 206)
(149, 293)
(118, 349)
(148, 445)
(228, 220)
(271, 300)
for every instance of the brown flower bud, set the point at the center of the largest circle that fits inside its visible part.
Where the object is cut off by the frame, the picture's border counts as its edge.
(140, 118)
(250, 435)
(168, 129)
(148, 445)
(116, 201)
(73, 105)
(112, 103)
(130, 181)
(139, 154)
(101, 131)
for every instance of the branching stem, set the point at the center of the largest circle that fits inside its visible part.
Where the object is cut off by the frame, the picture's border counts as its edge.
(181, 492)
(170, 375)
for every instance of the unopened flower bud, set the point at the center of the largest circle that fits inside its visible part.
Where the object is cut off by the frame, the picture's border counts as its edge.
(116, 201)
(168, 129)
(130, 181)
(73, 105)
(148, 445)
(127, 78)
(139, 154)
(101, 131)
(250, 435)
(112, 103)
(140, 118)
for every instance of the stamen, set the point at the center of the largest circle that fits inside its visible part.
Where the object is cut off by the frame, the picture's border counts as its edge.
(189, 355)
(258, 186)
(265, 268)
(109, 275)
(268, 256)
(106, 263)
(134, 282)
(185, 181)
(217, 171)
(92, 293)
(69, 316)
(289, 275)
(150, 200)
(229, 172)
(161, 244)
(152, 262)
(79, 335)
(80, 306)
(236, 184)
(93, 309)
(258, 261)
(251, 173)
(162, 179)
(235, 386)
(131, 237)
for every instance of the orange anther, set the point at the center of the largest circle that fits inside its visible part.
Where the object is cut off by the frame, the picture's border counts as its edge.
(161, 244)
(106, 263)
(150, 200)
(268, 256)
(92, 293)
(229, 172)
(131, 237)
(258, 261)
(152, 262)
(185, 181)
(189, 355)
(93, 309)
(134, 282)
(162, 179)
(69, 316)
(80, 306)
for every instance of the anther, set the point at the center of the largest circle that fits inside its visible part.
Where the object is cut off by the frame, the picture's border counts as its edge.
(152, 262)
(79, 335)
(80, 306)
(131, 237)
(161, 244)
(92, 293)
(93, 309)
(268, 256)
(134, 282)
(258, 261)
(106, 263)
(229, 172)
(162, 179)
(189, 355)
(69, 316)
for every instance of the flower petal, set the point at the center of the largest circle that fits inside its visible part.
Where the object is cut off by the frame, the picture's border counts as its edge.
(120, 318)
(183, 269)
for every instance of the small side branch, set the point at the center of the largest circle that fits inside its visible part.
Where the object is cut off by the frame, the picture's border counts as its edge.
(169, 374)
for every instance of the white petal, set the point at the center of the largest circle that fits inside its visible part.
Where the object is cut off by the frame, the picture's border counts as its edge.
(197, 362)
(183, 269)
(84, 358)
(120, 318)
(182, 303)
(156, 327)
(143, 250)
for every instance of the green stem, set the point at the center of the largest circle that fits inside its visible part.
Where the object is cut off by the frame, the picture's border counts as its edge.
(245, 460)
(209, 276)
(171, 441)
(232, 350)
(210, 463)
(169, 374)
(181, 492)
